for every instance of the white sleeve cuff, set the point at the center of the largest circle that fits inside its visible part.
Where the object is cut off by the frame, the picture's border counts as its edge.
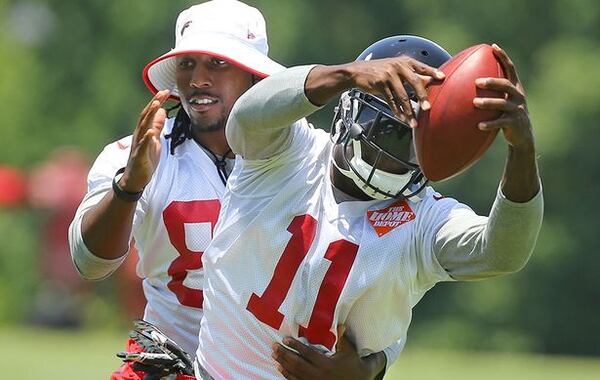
(89, 266)
(392, 352)
(538, 198)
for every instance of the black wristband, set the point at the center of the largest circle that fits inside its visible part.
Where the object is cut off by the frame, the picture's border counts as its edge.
(122, 194)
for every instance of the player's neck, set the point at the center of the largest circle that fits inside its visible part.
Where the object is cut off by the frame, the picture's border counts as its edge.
(215, 142)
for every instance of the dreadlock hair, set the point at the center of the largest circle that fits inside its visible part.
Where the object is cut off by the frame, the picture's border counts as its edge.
(181, 128)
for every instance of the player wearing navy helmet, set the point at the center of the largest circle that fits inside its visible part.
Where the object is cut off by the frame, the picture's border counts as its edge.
(318, 231)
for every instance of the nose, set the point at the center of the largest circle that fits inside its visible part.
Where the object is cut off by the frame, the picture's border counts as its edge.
(201, 77)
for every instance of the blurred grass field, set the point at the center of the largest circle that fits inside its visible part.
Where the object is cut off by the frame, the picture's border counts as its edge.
(28, 353)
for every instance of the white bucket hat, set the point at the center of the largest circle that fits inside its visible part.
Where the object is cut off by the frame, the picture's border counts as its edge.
(226, 29)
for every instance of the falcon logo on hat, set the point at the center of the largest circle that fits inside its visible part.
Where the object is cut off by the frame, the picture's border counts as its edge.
(185, 26)
(229, 30)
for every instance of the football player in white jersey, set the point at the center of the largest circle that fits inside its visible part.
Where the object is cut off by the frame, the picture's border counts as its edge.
(317, 232)
(162, 185)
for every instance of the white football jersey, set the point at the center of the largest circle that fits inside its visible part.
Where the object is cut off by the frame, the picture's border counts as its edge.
(172, 227)
(287, 260)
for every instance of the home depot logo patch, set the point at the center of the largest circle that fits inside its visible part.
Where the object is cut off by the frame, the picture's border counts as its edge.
(386, 219)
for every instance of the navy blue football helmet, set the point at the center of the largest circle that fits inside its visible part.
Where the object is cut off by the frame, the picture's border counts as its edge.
(377, 147)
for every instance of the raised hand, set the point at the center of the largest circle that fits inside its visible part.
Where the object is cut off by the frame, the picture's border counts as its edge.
(386, 77)
(520, 181)
(145, 146)
(514, 121)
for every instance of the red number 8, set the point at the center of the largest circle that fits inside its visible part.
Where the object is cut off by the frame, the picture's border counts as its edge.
(175, 216)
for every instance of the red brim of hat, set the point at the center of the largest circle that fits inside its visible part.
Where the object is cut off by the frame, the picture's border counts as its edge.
(159, 74)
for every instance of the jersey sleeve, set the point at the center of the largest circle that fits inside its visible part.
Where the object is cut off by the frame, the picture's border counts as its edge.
(393, 352)
(472, 247)
(88, 265)
(432, 214)
(111, 159)
(260, 122)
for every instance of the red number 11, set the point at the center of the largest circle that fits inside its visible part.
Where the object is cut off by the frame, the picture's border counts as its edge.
(341, 253)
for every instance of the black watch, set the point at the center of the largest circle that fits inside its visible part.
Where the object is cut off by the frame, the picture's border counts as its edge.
(122, 194)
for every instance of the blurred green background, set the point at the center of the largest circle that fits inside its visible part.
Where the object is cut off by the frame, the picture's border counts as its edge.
(70, 76)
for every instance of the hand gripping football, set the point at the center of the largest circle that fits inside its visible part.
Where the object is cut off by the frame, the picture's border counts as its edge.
(447, 140)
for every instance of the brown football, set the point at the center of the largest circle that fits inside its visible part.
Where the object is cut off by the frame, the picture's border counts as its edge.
(447, 140)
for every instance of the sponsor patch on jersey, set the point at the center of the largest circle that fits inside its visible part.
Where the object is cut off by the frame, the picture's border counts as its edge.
(395, 215)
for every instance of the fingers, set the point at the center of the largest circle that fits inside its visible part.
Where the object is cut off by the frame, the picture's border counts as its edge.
(429, 71)
(307, 352)
(395, 106)
(421, 93)
(151, 136)
(159, 97)
(147, 116)
(516, 121)
(502, 122)
(146, 143)
(155, 104)
(498, 104)
(399, 101)
(513, 107)
(426, 80)
(427, 75)
(145, 122)
(291, 364)
(408, 73)
(419, 76)
(158, 121)
(389, 76)
(502, 85)
(506, 63)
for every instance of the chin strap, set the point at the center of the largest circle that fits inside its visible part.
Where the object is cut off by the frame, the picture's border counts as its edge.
(379, 184)
(413, 193)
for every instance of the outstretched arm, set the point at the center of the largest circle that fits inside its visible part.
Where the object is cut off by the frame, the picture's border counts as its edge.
(259, 123)
(473, 247)
(383, 77)
(520, 181)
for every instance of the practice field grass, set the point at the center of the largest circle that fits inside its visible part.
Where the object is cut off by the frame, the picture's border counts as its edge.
(438, 365)
(42, 354)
